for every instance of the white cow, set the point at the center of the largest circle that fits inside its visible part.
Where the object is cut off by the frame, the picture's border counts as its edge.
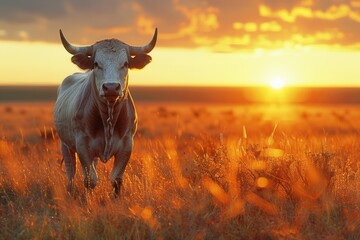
(94, 113)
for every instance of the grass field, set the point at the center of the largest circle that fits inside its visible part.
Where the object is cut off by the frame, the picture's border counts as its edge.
(197, 172)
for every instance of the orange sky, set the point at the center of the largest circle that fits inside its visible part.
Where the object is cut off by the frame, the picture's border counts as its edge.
(207, 42)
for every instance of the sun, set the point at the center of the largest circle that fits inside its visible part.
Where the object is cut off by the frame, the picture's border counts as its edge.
(277, 83)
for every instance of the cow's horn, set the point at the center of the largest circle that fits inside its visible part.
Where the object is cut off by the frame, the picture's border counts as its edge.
(144, 49)
(74, 49)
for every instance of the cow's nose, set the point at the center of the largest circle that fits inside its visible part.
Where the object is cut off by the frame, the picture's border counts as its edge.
(111, 89)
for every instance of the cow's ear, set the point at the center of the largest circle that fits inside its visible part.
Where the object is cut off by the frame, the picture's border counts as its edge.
(139, 61)
(82, 61)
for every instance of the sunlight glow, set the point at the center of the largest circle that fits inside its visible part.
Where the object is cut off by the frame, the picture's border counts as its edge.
(277, 83)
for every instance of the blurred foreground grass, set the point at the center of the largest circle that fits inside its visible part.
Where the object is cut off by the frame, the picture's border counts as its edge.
(197, 172)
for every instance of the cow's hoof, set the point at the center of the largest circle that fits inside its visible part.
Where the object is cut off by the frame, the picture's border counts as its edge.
(117, 187)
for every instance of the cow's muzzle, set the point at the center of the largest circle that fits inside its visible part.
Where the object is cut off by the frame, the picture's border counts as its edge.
(112, 91)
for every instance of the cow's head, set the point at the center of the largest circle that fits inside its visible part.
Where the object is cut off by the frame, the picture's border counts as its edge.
(110, 61)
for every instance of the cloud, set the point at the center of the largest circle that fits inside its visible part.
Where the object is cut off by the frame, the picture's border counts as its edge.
(272, 26)
(247, 27)
(355, 3)
(24, 11)
(331, 13)
(316, 37)
(221, 25)
(3, 33)
(23, 35)
(283, 4)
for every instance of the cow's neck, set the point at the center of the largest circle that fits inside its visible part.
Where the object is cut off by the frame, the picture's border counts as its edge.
(109, 113)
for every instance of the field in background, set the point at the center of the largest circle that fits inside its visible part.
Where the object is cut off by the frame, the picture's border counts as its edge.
(198, 171)
(204, 95)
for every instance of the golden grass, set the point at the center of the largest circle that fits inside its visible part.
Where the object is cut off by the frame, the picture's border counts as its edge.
(197, 172)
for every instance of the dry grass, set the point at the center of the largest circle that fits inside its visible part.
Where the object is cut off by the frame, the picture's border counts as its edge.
(198, 172)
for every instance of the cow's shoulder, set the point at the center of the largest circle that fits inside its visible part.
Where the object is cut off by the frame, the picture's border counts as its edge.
(73, 80)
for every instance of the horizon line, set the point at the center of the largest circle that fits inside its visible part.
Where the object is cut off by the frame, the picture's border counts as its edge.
(197, 86)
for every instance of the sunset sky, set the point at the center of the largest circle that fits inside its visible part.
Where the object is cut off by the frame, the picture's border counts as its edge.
(200, 42)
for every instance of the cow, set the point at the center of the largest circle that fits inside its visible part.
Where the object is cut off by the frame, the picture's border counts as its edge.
(94, 113)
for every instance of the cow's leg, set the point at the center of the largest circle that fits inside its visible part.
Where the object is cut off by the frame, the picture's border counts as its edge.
(121, 159)
(89, 172)
(87, 163)
(70, 165)
(96, 160)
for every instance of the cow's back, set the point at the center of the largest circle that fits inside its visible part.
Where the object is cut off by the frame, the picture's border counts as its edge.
(70, 92)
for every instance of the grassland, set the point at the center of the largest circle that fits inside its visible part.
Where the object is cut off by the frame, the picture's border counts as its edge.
(197, 172)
